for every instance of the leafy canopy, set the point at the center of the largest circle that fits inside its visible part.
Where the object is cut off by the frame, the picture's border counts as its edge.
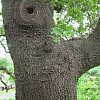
(77, 18)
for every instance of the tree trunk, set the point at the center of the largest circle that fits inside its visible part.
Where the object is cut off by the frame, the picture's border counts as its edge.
(44, 70)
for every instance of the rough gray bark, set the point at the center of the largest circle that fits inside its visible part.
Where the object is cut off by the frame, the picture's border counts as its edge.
(45, 70)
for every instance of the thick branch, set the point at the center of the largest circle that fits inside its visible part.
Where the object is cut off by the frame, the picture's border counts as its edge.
(96, 32)
(86, 51)
(90, 50)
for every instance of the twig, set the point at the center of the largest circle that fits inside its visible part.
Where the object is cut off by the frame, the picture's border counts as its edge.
(2, 35)
(9, 73)
(4, 47)
(4, 85)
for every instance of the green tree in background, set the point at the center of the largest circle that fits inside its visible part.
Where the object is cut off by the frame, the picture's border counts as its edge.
(77, 18)
(89, 85)
(6, 73)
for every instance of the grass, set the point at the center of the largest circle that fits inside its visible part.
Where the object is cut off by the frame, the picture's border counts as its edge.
(7, 95)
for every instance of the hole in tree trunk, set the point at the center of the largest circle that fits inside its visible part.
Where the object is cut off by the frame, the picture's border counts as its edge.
(30, 10)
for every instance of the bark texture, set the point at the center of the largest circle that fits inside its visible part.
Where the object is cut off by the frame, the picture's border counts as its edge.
(45, 70)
